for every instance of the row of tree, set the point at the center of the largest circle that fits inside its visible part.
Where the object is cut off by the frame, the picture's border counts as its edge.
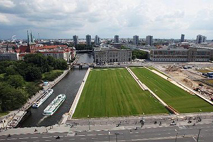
(139, 54)
(20, 80)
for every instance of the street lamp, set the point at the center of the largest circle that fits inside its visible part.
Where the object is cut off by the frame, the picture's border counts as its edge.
(88, 121)
(176, 136)
(198, 135)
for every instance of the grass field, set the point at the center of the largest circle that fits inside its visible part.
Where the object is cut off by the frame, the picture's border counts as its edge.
(112, 93)
(179, 99)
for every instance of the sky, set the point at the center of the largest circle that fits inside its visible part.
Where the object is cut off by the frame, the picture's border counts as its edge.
(106, 18)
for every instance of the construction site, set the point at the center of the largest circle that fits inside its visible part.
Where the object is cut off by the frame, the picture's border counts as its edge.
(191, 75)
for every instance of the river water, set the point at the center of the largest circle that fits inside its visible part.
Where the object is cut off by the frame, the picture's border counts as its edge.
(69, 85)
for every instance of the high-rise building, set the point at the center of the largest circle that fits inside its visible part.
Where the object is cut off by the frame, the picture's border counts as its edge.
(97, 40)
(149, 40)
(116, 39)
(75, 40)
(136, 40)
(204, 38)
(182, 38)
(88, 40)
(200, 39)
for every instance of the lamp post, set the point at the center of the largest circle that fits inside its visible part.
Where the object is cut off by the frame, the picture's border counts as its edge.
(88, 121)
(198, 135)
(116, 136)
(176, 136)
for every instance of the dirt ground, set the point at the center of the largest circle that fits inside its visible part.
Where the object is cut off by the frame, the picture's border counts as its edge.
(188, 77)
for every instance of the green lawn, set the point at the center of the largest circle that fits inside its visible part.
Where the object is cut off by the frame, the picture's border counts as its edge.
(112, 93)
(174, 96)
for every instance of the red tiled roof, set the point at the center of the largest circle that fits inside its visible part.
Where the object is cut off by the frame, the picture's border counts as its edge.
(23, 49)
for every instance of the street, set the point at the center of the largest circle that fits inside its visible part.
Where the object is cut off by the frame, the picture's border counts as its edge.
(164, 134)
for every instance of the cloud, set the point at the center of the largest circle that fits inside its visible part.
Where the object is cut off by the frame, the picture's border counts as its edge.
(64, 18)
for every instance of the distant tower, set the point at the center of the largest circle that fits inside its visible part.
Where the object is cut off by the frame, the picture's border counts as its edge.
(199, 39)
(88, 40)
(97, 40)
(136, 40)
(149, 40)
(75, 40)
(182, 38)
(116, 39)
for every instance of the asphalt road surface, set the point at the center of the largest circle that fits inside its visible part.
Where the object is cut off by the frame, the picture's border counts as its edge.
(162, 134)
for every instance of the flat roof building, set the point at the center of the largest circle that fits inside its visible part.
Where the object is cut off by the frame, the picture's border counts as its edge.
(116, 39)
(181, 55)
(75, 40)
(135, 40)
(88, 40)
(103, 55)
(149, 40)
(182, 38)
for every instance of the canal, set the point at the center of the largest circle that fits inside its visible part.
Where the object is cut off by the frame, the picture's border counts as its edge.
(69, 85)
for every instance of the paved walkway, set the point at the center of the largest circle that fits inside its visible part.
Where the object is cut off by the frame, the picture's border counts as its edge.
(120, 123)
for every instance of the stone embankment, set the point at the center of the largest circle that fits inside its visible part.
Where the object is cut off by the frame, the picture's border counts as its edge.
(77, 97)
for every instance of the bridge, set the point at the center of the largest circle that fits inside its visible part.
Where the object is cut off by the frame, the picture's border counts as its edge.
(82, 65)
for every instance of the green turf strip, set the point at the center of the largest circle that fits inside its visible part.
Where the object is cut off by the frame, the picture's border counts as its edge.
(112, 93)
(174, 96)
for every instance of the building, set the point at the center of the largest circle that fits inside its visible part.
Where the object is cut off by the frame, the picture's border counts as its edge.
(97, 40)
(103, 55)
(181, 55)
(135, 40)
(58, 54)
(182, 38)
(9, 56)
(204, 38)
(116, 39)
(88, 40)
(75, 40)
(149, 40)
(200, 39)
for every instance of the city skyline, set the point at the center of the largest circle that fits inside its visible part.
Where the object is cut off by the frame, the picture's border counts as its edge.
(63, 19)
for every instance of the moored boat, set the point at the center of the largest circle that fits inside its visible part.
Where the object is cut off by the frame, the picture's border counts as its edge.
(43, 98)
(54, 105)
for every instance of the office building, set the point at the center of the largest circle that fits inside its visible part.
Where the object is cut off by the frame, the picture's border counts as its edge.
(135, 40)
(181, 55)
(75, 40)
(88, 40)
(149, 40)
(182, 38)
(200, 39)
(116, 39)
(97, 40)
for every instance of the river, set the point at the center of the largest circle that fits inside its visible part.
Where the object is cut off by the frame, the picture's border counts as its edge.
(69, 85)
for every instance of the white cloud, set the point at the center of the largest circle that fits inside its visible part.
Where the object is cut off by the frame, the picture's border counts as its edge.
(162, 19)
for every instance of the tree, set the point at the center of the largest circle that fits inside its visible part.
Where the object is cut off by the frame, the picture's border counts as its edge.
(139, 54)
(33, 73)
(11, 98)
(15, 81)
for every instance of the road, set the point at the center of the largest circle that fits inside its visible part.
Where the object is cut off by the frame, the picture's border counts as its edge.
(160, 134)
